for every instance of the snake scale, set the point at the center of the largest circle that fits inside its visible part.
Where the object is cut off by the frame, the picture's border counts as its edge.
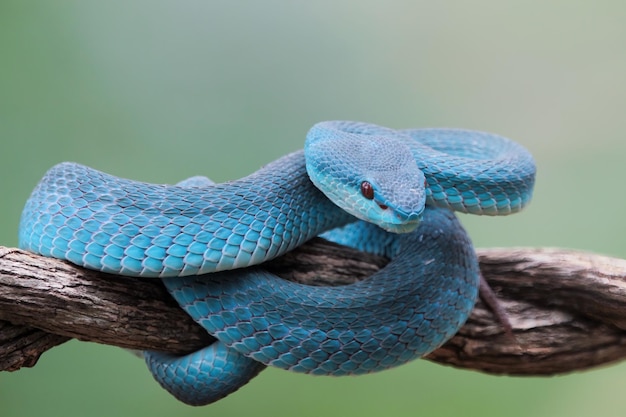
(381, 190)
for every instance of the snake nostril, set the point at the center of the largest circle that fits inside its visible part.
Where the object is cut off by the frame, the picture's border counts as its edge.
(382, 206)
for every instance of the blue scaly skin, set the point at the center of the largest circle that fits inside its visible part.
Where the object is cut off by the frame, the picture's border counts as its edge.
(401, 181)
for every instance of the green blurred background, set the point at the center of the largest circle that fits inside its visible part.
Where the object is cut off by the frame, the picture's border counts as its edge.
(159, 91)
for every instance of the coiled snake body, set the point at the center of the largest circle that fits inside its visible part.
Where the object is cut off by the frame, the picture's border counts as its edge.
(403, 184)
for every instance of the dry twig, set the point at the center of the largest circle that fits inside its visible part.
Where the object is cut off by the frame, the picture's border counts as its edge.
(567, 308)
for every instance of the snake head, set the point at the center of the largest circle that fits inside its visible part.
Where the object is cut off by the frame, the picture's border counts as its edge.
(368, 171)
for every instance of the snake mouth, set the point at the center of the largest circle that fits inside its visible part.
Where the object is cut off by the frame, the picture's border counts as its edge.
(399, 221)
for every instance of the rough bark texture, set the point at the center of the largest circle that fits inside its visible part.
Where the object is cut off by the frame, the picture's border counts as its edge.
(566, 308)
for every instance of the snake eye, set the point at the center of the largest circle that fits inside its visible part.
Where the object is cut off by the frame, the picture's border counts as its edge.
(367, 190)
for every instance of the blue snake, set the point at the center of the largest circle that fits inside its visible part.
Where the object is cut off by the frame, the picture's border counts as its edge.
(377, 189)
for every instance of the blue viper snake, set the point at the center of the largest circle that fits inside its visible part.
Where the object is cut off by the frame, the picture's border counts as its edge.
(385, 191)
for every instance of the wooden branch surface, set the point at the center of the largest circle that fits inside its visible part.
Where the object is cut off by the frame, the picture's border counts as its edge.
(567, 308)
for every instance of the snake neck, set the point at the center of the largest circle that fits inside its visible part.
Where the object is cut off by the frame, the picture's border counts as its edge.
(132, 228)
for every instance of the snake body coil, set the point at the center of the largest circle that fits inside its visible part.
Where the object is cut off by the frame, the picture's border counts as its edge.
(186, 233)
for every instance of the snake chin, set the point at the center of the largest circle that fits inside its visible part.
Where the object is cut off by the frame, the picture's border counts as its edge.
(405, 227)
(394, 220)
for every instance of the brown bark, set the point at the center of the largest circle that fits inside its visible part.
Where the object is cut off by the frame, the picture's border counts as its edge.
(564, 308)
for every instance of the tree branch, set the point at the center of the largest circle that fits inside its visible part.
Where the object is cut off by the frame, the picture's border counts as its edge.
(567, 308)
